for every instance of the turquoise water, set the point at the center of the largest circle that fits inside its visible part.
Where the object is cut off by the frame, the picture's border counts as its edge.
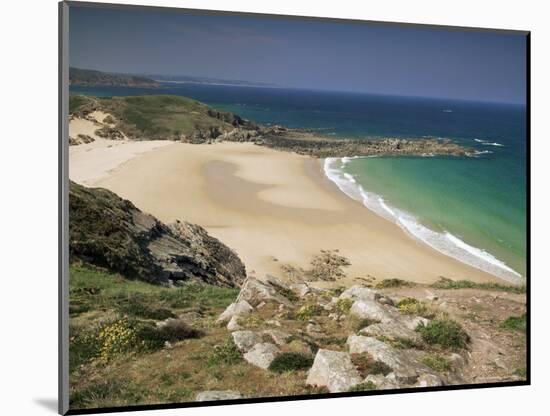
(471, 208)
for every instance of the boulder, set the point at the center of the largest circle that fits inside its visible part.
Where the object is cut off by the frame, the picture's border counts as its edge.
(405, 370)
(373, 310)
(255, 291)
(333, 370)
(262, 354)
(245, 340)
(233, 324)
(300, 289)
(314, 330)
(392, 330)
(358, 292)
(213, 395)
(239, 308)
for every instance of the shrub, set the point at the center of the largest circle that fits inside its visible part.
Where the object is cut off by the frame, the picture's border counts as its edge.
(366, 365)
(343, 305)
(333, 340)
(308, 311)
(84, 347)
(369, 385)
(517, 323)
(226, 353)
(412, 306)
(444, 332)
(291, 361)
(437, 362)
(116, 339)
(154, 338)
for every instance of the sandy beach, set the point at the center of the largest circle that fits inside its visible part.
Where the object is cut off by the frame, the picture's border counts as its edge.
(271, 207)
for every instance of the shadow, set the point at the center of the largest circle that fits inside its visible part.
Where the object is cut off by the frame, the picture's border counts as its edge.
(49, 404)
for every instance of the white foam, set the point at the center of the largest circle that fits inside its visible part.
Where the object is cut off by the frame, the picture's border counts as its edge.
(444, 242)
(488, 143)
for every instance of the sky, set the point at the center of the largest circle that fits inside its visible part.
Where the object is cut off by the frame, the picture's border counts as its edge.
(340, 56)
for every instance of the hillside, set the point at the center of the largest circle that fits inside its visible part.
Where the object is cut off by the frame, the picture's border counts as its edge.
(170, 117)
(108, 231)
(88, 77)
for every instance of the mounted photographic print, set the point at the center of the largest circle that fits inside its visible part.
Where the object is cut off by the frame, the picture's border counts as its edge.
(261, 208)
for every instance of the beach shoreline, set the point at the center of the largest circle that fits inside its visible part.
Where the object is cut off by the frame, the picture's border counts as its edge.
(273, 208)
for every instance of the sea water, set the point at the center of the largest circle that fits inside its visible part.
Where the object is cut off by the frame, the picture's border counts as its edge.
(469, 208)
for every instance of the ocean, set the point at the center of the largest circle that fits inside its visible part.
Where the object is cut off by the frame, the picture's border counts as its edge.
(470, 208)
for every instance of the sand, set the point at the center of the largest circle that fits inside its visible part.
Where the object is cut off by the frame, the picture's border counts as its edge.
(271, 207)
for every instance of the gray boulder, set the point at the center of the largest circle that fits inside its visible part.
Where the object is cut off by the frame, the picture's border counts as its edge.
(381, 382)
(405, 370)
(262, 354)
(392, 330)
(245, 340)
(239, 308)
(213, 395)
(233, 324)
(373, 310)
(333, 370)
(358, 292)
(255, 291)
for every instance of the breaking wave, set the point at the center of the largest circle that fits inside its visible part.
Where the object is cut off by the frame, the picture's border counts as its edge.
(444, 242)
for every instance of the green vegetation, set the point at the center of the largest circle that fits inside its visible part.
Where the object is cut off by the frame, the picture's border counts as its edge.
(444, 283)
(291, 361)
(366, 365)
(369, 385)
(308, 311)
(521, 372)
(226, 353)
(444, 332)
(392, 283)
(159, 116)
(105, 391)
(94, 288)
(343, 305)
(516, 323)
(437, 362)
(412, 306)
(400, 343)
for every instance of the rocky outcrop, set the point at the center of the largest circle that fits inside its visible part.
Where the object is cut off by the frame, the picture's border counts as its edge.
(109, 231)
(255, 291)
(333, 370)
(235, 310)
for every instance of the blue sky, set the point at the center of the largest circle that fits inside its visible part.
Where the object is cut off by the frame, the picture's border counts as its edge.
(370, 58)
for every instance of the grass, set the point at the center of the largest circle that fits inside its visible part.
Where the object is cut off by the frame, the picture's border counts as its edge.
(343, 305)
(96, 289)
(521, 372)
(158, 116)
(306, 312)
(392, 283)
(515, 323)
(102, 392)
(437, 362)
(369, 385)
(444, 332)
(226, 353)
(291, 361)
(412, 306)
(366, 365)
(444, 283)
